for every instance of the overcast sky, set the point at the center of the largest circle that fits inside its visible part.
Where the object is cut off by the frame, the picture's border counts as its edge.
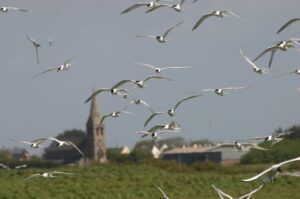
(107, 52)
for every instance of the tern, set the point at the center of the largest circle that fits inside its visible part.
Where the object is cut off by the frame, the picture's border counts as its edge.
(283, 46)
(170, 112)
(297, 72)
(218, 13)
(159, 70)
(141, 83)
(287, 24)
(6, 9)
(139, 102)
(270, 174)
(170, 127)
(222, 91)
(149, 5)
(33, 144)
(36, 46)
(60, 143)
(114, 115)
(246, 196)
(239, 146)
(51, 174)
(165, 196)
(256, 69)
(64, 66)
(113, 90)
(154, 135)
(274, 138)
(161, 38)
(176, 7)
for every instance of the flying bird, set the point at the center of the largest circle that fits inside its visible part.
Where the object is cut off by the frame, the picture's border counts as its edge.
(51, 174)
(170, 127)
(165, 196)
(154, 135)
(36, 46)
(270, 174)
(113, 90)
(255, 67)
(239, 146)
(218, 13)
(222, 91)
(141, 83)
(287, 24)
(60, 143)
(64, 66)
(283, 46)
(149, 5)
(158, 70)
(246, 196)
(170, 112)
(177, 7)
(138, 102)
(275, 137)
(161, 38)
(33, 144)
(6, 9)
(114, 115)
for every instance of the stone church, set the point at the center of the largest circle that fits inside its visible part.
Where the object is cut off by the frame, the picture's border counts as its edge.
(92, 145)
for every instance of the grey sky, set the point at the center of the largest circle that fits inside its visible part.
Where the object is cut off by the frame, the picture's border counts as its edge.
(107, 52)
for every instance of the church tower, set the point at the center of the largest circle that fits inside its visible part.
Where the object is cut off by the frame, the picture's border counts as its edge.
(95, 140)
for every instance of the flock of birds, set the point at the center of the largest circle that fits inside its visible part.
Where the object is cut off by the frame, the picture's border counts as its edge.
(268, 175)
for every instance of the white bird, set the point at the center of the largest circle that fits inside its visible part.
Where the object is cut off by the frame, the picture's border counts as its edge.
(270, 174)
(297, 72)
(274, 138)
(64, 66)
(222, 91)
(287, 24)
(138, 102)
(149, 5)
(161, 38)
(4, 166)
(36, 46)
(238, 146)
(246, 196)
(170, 127)
(141, 83)
(171, 111)
(154, 135)
(165, 196)
(61, 143)
(6, 9)
(218, 13)
(33, 144)
(283, 46)
(113, 90)
(51, 174)
(177, 7)
(255, 67)
(158, 70)
(114, 115)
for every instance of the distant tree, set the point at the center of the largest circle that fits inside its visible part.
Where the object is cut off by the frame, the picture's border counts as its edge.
(72, 133)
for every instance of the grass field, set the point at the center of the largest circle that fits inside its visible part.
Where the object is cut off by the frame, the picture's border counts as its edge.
(136, 181)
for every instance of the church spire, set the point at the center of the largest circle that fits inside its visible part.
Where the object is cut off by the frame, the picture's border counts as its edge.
(94, 117)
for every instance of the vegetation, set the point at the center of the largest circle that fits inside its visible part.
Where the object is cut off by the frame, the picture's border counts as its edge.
(133, 181)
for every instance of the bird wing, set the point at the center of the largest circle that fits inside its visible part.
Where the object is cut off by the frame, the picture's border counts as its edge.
(17, 9)
(144, 133)
(147, 65)
(254, 146)
(200, 21)
(96, 93)
(295, 174)
(54, 139)
(259, 138)
(31, 40)
(152, 116)
(59, 172)
(156, 77)
(120, 83)
(133, 7)
(248, 195)
(209, 89)
(74, 145)
(37, 54)
(184, 99)
(165, 196)
(103, 118)
(287, 24)
(39, 141)
(174, 67)
(233, 14)
(4, 166)
(181, 2)
(271, 57)
(32, 176)
(272, 48)
(156, 127)
(45, 71)
(156, 7)
(288, 161)
(24, 142)
(169, 30)
(221, 193)
(283, 74)
(226, 145)
(149, 36)
(147, 105)
(248, 60)
(258, 175)
(236, 88)
(21, 166)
